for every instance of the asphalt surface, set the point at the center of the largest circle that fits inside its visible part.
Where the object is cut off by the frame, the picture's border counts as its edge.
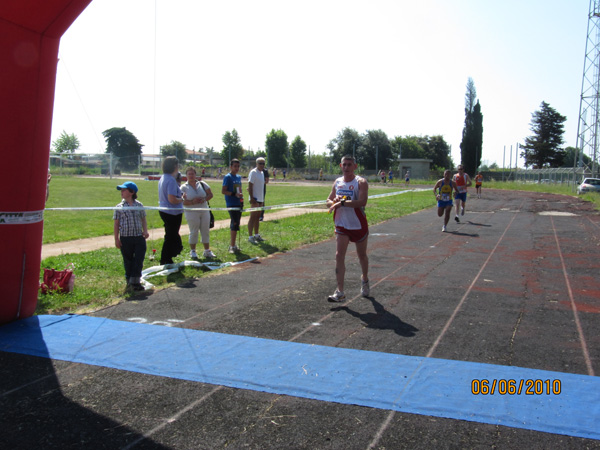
(514, 284)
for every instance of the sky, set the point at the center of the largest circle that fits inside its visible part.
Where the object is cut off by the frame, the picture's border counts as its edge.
(190, 70)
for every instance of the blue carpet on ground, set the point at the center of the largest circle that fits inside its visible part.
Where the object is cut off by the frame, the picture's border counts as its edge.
(434, 387)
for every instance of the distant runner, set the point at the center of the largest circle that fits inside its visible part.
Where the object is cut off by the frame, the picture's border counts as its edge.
(478, 182)
(463, 181)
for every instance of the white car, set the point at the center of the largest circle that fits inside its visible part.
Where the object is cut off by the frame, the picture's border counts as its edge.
(589, 185)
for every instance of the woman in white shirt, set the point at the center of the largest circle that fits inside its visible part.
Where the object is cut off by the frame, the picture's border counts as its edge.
(196, 194)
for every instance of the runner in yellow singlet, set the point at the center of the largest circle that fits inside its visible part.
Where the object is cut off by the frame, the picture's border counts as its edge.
(443, 192)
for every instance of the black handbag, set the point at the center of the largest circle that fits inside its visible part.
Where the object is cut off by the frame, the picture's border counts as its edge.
(212, 218)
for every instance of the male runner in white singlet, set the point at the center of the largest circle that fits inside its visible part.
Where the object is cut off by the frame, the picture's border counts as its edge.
(347, 201)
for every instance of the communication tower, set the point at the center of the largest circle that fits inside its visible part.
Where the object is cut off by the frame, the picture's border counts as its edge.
(588, 129)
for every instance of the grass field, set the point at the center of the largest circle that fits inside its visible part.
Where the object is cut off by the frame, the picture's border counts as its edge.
(100, 275)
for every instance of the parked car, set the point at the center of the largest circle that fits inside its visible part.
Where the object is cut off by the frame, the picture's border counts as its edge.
(589, 185)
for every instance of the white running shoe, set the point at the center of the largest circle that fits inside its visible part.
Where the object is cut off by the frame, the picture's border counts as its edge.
(233, 249)
(193, 254)
(209, 254)
(462, 211)
(365, 289)
(258, 238)
(443, 228)
(252, 240)
(337, 296)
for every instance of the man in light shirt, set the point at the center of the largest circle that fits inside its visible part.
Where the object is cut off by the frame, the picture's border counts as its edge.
(256, 189)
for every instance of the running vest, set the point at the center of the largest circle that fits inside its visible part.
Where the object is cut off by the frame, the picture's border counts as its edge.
(446, 192)
(461, 182)
(348, 218)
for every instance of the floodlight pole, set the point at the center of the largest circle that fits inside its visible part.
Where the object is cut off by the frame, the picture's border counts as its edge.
(587, 133)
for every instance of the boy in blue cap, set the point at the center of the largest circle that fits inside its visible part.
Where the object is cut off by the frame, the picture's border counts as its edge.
(131, 232)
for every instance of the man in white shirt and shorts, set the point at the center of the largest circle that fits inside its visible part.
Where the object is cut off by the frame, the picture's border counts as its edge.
(347, 201)
(256, 189)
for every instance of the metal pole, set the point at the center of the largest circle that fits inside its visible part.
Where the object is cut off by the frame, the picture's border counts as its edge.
(510, 163)
(503, 159)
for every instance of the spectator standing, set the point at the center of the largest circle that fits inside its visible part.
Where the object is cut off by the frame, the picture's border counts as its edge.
(196, 195)
(170, 198)
(131, 231)
(232, 190)
(256, 189)
(266, 173)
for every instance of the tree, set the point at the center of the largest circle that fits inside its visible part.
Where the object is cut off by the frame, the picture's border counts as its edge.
(124, 145)
(424, 147)
(571, 153)
(175, 148)
(407, 148)
(438, 150)
(320, 161)
(276, 146)
(472, 135)
(375, 151)
(232, 146)
(542, 149)
(347, 142)
(66, 143)
(298, 153)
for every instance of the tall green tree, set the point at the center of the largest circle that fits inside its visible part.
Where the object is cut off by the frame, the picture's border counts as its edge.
(298, 153)
(569, 158)
(407, 147)
(347, 142)
(232, 146)
(438, 150)
(375, 151)
(175, 148)
(277, 148)
(320, 161)
(543, 148)
(66, 143)
(472, 135)
(425, 147)
(124, 145)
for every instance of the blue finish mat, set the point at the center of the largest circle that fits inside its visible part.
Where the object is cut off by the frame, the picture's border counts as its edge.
(433, 387)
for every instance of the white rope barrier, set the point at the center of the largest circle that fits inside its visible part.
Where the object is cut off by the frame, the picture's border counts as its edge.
(25, 217)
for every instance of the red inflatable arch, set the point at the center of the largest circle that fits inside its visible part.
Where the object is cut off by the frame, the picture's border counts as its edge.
(30, 32)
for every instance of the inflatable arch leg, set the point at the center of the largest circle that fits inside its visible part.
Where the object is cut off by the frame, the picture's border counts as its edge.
(30, 32)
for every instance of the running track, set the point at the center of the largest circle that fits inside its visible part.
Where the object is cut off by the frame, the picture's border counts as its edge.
(509, 286)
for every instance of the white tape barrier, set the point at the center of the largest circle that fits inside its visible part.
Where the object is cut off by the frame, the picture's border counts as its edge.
(167, 269)
(19, 218)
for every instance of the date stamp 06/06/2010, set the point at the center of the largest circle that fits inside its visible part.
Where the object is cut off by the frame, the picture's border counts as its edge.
(515, 387)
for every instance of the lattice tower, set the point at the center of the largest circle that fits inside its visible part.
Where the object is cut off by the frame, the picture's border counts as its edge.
(588, 129)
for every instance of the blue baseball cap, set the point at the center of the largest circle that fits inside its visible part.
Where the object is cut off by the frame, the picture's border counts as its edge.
(128, 185)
